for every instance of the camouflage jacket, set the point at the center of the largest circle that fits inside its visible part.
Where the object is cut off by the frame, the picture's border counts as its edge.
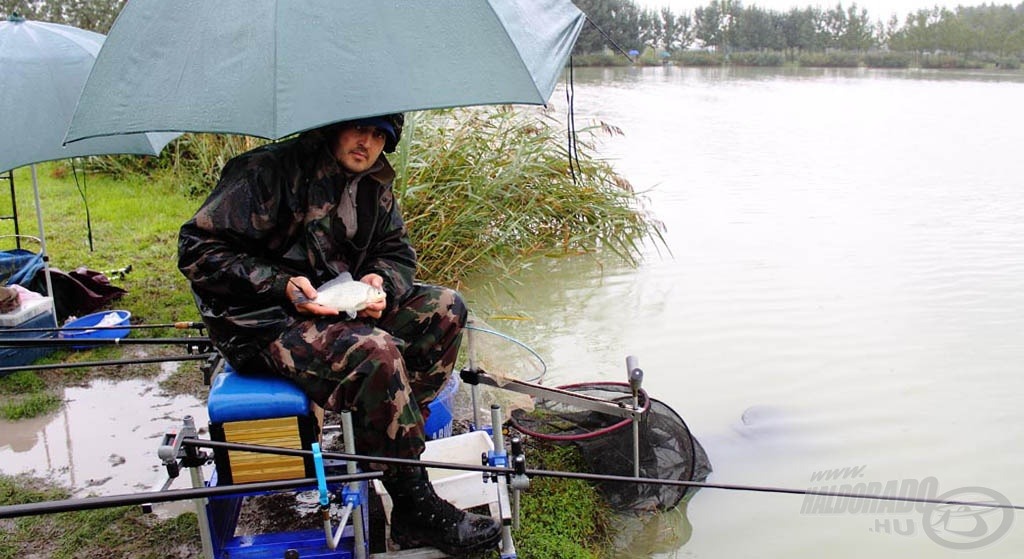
(273, 215)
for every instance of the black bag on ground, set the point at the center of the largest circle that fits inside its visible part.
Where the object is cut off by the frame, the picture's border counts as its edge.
(76, 293)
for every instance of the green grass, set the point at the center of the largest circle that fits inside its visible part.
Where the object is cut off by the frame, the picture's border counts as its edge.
(29, 405)
(25, 395)
(562, 518)
(21, 382)
(112, 533)
(134, 222)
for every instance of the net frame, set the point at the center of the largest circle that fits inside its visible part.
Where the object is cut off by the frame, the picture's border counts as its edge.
(667, 447)
(644, 402)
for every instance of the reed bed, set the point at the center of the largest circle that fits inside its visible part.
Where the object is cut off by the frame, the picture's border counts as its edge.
(491, 189)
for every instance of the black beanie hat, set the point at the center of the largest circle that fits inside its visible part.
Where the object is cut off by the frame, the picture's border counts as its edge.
(391, 125)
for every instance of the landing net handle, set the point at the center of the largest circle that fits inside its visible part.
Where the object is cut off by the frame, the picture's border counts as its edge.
(644, 403)
(635, 377)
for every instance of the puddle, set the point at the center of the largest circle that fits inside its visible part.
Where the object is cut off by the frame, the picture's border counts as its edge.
(103, 441)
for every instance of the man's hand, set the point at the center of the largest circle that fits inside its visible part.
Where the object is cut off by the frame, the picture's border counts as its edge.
(376, 309)
(301, 294)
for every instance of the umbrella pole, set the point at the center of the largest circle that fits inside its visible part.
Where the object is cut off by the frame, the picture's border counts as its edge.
(42, 243)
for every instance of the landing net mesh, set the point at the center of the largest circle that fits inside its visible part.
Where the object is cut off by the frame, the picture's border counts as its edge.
(668, 450)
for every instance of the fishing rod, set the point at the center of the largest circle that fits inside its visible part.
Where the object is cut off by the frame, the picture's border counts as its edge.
(83, 342)
(90, 503)
(66, 505)
(112, 362)
(609, 39)
(495, 470)
(184, 325)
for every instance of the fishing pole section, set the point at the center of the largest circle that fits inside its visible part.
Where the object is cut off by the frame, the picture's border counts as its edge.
(71, 337)
(266, 437)
(616, 427)
(337, 479)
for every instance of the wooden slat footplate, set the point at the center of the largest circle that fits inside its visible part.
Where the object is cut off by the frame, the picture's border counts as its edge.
(256, 466)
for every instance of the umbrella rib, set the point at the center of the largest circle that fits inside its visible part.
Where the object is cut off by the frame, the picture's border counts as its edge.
(522, 61)
(90, 49)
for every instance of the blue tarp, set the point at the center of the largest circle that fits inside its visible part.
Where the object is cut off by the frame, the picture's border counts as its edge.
(19, 266)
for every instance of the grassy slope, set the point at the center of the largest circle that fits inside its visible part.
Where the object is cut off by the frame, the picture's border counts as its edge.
(134, 222)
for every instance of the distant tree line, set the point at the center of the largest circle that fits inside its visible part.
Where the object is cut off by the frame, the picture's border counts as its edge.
(722, 26)
(728, 25)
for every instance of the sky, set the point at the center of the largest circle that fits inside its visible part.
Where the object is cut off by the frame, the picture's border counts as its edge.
(877, 9)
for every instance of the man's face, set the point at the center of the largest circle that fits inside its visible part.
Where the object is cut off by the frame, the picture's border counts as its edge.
(358, 147)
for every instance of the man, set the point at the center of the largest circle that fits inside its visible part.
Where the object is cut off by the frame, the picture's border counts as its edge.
(283, 220)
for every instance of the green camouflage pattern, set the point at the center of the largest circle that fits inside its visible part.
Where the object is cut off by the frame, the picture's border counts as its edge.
(385, 372)
(273, 215)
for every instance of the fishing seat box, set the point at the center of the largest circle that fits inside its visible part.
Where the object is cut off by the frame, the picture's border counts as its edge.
(37, 313)
(264, 410)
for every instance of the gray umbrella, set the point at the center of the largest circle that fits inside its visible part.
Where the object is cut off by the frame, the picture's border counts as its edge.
(271, 68)
(43, 68)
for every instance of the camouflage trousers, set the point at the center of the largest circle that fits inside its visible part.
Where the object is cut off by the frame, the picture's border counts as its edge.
(384, 371)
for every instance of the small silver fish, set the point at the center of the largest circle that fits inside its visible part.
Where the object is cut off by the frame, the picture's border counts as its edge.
(347, 295)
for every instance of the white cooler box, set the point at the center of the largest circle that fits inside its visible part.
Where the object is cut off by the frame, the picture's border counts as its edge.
(37, 313)
(461, 488)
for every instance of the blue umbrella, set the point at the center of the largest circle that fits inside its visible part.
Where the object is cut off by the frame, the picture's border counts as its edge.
(43, 67)
(271, 68)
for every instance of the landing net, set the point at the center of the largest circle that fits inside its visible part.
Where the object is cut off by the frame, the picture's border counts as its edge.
(667, 448)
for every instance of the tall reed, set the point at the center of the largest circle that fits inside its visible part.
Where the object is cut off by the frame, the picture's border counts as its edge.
(193, 161)
(491, 188)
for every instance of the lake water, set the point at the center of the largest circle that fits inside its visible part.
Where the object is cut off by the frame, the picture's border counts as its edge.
(843, 288)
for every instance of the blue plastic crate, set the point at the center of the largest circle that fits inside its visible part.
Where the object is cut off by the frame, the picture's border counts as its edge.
(439, 423)
(18, 356)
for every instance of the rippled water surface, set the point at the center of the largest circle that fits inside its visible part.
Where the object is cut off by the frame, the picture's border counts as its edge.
(843, 288)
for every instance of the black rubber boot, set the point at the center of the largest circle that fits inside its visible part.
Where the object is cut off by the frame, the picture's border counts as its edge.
(420, 518)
